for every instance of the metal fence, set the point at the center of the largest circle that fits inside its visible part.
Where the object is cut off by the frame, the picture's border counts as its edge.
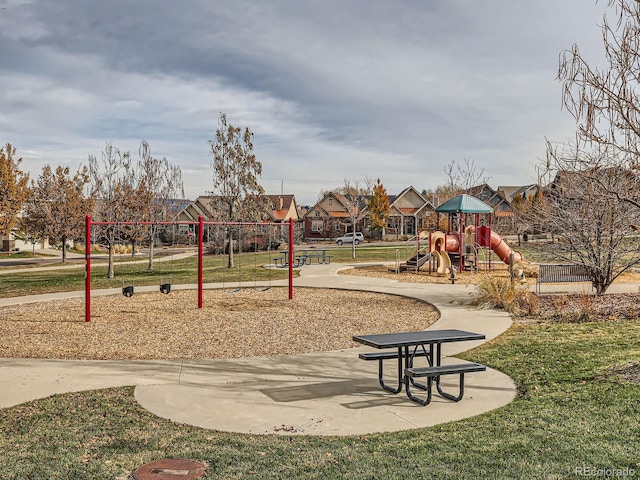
(562, 273)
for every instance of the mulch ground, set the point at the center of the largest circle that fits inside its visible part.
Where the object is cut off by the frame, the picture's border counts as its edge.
(231, 324)
(250, 322)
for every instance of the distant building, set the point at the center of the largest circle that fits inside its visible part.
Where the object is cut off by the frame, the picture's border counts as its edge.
(331, 217)
(280, 208)
(410, 212)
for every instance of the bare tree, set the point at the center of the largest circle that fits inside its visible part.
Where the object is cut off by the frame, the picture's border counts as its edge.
(235, 175)
(14, 188)
(460, 177)
(605, 101)
(58, 205)
(581, 207)
(355, 193)
(161, 181)
(113, 187)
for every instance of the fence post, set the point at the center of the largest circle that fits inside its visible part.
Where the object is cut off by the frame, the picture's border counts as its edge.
(291, 257)
(200, 261)
(87, 275)
(511, 260)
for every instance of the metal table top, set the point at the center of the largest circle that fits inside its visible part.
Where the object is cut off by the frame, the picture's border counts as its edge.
(404, 339)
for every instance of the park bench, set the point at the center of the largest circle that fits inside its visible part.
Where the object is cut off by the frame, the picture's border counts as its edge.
(436, 372)
(319, 256)
(304, 257)
(283, 261)
(388, 355)
(569, 273)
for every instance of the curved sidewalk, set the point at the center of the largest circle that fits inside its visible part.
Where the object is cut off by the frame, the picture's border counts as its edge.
(330, 393)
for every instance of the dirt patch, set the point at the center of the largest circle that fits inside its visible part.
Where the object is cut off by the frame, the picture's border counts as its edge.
(588, 308)
(564, 307)
(231, 324)
(628, 373)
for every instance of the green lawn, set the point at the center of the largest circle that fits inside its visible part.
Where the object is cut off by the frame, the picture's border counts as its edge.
(248, 268)
(575, 409)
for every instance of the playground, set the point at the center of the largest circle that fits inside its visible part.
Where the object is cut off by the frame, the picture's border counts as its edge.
(467, 242)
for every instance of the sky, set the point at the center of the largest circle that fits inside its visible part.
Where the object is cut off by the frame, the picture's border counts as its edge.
(332, 90)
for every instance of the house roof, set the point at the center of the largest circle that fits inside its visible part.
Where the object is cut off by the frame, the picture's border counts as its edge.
(339, 214)
(509, 191)
(279, 214)
(464, 204)
(174, 205)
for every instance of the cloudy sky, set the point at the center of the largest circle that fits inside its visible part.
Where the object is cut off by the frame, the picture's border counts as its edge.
(395, 89)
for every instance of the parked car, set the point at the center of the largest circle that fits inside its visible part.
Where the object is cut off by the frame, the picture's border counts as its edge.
(349, 237)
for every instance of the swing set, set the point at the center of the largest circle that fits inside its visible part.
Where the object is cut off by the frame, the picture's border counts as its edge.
(165, 288)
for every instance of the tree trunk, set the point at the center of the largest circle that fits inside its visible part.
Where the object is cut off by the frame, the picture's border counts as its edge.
(64, 249)
(353, 240)
(600, 288)
(151, 245)
(230, 264)
(110, 270)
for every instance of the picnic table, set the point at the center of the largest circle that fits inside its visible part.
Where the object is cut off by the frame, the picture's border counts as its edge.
(406, 346)
(303, 257)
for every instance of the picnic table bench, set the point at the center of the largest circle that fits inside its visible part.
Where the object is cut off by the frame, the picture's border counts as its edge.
(303, 257)
(558, 273)
(435, 372)
(283, 261)
(319, 255)
(405, 346)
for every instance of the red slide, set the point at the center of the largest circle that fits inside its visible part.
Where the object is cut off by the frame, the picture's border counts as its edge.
(498, 245)
(503, 250)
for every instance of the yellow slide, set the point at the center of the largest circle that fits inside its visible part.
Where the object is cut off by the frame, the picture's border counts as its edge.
(444, 262)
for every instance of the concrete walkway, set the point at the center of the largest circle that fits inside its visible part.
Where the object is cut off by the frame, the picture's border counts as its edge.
(331, 393)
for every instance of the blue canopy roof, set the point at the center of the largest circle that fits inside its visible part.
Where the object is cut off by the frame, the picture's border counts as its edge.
(464, 204)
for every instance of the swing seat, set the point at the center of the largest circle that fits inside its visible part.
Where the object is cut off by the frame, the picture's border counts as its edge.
(165, 288)
(127, 291)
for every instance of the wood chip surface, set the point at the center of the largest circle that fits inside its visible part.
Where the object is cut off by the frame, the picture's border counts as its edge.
(231, 324)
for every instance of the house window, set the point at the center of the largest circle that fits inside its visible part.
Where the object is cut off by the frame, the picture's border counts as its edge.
(330, 201)
(317, 226)
(317, 213)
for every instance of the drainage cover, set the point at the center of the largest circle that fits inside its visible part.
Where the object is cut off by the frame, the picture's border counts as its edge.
(170, 469)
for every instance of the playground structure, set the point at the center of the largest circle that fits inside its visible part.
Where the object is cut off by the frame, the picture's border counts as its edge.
(467, 234)
(196, 229)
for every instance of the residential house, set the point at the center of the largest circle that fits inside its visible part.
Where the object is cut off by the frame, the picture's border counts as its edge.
(409, 213)
(280, 209)
(523, 191)
(503, 214)
(283, 208)
(331, 216)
